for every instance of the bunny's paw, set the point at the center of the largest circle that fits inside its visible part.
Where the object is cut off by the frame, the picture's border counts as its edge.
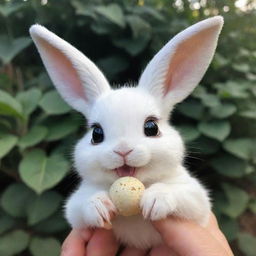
(98, 210)
(156, 204)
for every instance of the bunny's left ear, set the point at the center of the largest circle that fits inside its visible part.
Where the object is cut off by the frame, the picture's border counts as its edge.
(77, 79)
(179, 66)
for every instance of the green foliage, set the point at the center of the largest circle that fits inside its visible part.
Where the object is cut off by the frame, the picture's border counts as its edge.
(9, 106)
(35, 135)
(10, 48)
(40, 172)
(15, 199)
(13, 243)
(113, 13)
(29, 100)
(44, 246)
(7, 142)
(218, 130)
(53, 104)
(43, 206)
(247, 244)
(38, 129)
(237, 200)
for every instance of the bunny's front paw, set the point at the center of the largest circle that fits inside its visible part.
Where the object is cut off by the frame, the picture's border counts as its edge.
(98, 210)
(157, 203)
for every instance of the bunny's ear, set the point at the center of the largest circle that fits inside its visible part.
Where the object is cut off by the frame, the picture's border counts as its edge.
(179, 66)
(76, 78)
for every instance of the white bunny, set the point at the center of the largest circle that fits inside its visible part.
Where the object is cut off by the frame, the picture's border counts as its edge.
(130, 134)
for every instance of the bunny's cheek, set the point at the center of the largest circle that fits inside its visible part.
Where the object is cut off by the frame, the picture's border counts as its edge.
(140, 156)
(110, 160)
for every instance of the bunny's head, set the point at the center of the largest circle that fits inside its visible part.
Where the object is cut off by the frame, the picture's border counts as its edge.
(129, 132)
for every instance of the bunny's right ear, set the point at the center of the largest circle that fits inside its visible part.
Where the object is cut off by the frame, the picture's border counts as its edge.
(178, 67)
(77, 79)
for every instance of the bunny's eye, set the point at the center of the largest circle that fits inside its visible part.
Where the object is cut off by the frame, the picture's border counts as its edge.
(97, 134)
(151, 128)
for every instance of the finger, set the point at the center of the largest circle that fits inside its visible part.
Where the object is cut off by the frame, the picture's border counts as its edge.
(188, 238)
(74, 244)
(130, 251)
(213, 228)
(102, 242)
(163, 251)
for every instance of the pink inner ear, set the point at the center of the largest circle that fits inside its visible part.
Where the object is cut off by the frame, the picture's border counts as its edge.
(63, 70)
(185, 59)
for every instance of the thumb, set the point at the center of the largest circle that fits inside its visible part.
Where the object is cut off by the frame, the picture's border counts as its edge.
(187, 238)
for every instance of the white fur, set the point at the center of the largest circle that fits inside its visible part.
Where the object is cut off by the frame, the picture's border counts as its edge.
(170, 189)
(74, 75)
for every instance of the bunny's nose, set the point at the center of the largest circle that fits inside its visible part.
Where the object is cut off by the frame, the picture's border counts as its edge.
(123, 153)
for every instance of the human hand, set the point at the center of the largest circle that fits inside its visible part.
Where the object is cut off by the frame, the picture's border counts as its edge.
(181, 237)
(89, 242)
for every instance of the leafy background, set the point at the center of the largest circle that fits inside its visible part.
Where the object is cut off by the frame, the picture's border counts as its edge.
(38, 130)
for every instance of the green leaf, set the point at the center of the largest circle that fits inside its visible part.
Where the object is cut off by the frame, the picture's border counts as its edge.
(133, 46)
(188, 132)
(10, 48)
(9, 8)
(220, 61)
(199, 92)
(99, 26)
(113, 13)
(223, 111)
(241, 148)
(241, 67)
(9, 106)
(5, 126)
(58, 129)
(43, 206)
(15, 198)
(66, 146)
(250, 169)
(83, 9)
(40, 172)
(229, 227)
(29, 100)
(6, 222)
(232, 89)
(53, 104)
(7, 142)
(237, 200)
(206, 145)
(252, 206)
(53, 224)
(192, 109)
(247, 244)
(44, 246)
(218, 130)
(248, 114)
(229, 166)
(13, 243)
(138, 25)
(210, 100)
(146, 11)
(35, 135)
(250, 76)
(113, 65)
(219, 203)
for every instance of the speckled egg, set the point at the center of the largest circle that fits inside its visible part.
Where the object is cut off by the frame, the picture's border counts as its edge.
(126, 193)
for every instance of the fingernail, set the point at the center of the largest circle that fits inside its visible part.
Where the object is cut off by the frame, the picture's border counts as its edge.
(107, 225)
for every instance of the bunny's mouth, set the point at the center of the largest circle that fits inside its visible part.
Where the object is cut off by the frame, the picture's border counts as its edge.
(125, 170)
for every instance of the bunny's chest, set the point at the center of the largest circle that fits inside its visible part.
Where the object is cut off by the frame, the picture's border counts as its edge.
(136, 232)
